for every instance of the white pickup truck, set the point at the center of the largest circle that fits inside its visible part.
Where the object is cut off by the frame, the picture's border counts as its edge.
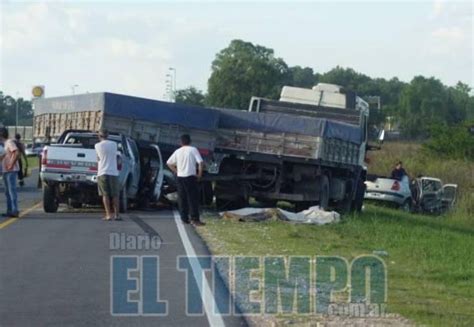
(69, 171)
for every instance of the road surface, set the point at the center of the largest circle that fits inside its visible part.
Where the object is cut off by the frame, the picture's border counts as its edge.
(55, 268)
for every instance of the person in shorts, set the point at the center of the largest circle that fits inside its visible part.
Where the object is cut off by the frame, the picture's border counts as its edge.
(107, 175)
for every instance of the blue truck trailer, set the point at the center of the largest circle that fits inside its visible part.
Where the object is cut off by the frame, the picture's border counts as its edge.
(305, 153)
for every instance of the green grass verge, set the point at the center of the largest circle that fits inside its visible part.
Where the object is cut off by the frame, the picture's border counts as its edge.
(430, 260)
(32, 162)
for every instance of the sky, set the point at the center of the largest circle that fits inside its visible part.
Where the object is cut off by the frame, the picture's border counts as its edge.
(128, 46)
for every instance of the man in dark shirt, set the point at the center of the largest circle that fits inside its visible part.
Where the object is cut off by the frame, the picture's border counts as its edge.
(398, 172)
(21, 147)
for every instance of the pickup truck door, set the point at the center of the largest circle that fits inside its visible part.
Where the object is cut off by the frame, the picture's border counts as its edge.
(134, 168)
(158, 183)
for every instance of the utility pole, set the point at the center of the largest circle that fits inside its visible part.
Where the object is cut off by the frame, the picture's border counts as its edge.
(16, 113)
(174, 77)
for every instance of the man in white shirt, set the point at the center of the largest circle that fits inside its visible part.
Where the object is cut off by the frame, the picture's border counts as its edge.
(107, 175)
(183, 162)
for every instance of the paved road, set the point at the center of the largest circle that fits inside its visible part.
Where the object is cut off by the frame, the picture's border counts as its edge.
(55, 268)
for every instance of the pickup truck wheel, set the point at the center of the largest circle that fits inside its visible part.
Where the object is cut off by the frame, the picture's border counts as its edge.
(123, 201)
(324, 193)
(50, 202)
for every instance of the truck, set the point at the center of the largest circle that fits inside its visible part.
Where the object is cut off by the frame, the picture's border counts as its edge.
(306, 148)
(68, 171)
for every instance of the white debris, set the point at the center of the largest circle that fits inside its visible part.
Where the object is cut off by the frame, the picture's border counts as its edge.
(313, 215)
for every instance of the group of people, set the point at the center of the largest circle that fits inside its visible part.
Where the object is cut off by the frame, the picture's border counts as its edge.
(186, 163)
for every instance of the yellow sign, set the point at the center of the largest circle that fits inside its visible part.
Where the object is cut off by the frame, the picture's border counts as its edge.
(38, 91)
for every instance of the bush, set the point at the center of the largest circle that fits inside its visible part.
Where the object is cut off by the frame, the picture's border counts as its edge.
(451, 142)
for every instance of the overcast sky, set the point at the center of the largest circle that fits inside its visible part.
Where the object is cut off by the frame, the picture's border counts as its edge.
(127, 46)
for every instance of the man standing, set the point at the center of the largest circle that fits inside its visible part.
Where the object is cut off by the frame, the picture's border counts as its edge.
(107, 175)
(183, 163)
(10, 170)
(21, 148)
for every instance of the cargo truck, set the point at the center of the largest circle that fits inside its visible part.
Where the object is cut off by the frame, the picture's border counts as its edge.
(308, 147)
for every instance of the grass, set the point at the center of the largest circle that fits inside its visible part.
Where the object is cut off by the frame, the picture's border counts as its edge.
(32, 162)
(430, 260)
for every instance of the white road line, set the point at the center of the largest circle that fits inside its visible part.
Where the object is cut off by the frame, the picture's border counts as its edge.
(208, 299)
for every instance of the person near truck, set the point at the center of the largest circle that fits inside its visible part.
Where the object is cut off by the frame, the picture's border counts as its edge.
(107, 175)
(22, 173)
(187, 164)
(398, 172)
(10, 168)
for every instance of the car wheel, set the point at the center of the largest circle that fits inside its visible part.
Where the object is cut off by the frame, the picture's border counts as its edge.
(406, 206)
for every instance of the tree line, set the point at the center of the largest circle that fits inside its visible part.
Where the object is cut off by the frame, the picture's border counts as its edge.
(8, 109)
(243, 69)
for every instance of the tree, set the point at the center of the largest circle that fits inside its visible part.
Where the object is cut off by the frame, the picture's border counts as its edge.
(243, 70)
(423, 102)
(8, 106)
(346, 77)
(191, 96)
(301, 77)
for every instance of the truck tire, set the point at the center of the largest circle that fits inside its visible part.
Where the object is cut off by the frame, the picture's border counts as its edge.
(324, 192)
(123, 201)
(231, 194)
(359, 196)
(50, 202)
(206, 193)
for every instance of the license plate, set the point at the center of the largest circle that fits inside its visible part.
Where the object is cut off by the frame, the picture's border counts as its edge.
(79, 177)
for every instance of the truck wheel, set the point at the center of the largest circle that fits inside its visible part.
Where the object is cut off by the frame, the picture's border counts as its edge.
(359, 196)
(123, 201)
(50, 202)
(206, 194)
(324, 193)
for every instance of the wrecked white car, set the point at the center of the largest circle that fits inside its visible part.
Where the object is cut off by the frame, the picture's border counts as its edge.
(422, 195)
